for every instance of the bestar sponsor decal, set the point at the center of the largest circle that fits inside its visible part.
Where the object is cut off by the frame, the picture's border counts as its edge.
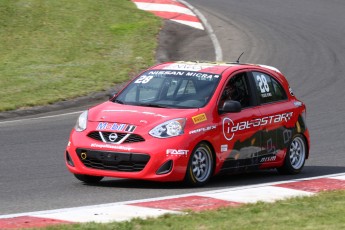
(230, 128)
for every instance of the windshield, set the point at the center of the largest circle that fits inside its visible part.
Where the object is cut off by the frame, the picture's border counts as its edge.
(170, 89)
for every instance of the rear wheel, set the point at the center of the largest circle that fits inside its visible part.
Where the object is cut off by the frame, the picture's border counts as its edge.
(295, 156)
(88, 179)
(200, 166)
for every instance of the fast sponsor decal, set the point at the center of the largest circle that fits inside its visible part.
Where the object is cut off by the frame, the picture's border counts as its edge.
(224, 148)
(177, 152)
(199, 118)
(230, 128)
(205, 129)
(109, 146)
(115, 127)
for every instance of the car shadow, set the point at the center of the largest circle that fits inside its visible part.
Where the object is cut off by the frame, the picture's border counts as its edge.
(224, 180)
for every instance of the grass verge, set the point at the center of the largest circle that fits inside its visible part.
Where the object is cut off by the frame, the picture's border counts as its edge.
(56, 50)
(323, 211)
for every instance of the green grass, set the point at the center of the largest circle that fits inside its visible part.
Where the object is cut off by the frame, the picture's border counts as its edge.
(53, 50)
(324, 211)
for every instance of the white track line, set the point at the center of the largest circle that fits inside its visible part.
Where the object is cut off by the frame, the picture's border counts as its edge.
(39, 118)
(209, 29)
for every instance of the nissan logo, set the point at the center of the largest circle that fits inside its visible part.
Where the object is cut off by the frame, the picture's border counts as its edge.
(112, 137)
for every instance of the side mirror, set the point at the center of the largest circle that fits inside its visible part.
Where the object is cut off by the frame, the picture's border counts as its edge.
(111, 94)
(231, 107)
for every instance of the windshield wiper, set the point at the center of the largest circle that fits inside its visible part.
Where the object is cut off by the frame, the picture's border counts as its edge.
(151, 105)
(118, 101)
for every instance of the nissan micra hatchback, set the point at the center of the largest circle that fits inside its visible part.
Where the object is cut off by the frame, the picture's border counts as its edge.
(187, 121)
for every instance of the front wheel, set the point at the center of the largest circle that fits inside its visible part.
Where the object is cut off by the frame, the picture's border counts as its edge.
(295, 156)
(88, 179)
(200, 166)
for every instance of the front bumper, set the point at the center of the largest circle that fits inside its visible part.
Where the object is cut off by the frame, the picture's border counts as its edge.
(153, 159)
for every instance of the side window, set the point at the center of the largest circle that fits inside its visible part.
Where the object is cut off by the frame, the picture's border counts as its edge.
(268, 89)
(236, 89)
(279, 91)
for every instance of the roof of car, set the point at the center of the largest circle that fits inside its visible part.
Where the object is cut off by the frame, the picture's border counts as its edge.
(207, 67)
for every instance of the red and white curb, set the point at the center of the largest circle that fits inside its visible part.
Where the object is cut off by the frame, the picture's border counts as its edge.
(172, 10)
(201, 201)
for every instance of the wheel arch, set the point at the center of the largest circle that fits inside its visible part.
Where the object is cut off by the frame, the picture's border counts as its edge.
(307, 144)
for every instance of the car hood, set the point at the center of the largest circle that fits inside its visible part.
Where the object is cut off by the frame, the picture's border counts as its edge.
(135, 115)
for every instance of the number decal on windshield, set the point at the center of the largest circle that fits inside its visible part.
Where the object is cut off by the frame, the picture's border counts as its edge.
(143, 79)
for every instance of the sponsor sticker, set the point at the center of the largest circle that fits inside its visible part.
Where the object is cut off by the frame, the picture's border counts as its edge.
(198, 75)
(230, 128)
(191, 66)
(115, 127)
(177, 152)
(268, 159)
(199, 118)
(205, 129)
(224, 148)
(110, 146)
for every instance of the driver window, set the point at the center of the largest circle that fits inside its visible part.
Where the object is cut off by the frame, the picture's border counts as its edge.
(236, 89)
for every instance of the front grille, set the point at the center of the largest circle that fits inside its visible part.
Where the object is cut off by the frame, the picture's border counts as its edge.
(114, 161)
(121, 137)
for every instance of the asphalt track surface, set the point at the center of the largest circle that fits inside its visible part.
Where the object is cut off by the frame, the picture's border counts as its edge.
(303, 38)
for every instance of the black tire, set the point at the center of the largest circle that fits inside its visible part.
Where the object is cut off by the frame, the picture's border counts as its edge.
(295, 156)
(200, 166)
(88, 179)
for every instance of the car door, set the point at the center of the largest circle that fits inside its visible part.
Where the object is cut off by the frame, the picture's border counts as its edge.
(275, 111)
(240, 144)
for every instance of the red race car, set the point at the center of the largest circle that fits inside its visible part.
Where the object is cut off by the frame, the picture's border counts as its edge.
(187, 121)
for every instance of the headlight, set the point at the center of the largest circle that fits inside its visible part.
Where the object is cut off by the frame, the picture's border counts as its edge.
(81, 122)
(170, 128)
